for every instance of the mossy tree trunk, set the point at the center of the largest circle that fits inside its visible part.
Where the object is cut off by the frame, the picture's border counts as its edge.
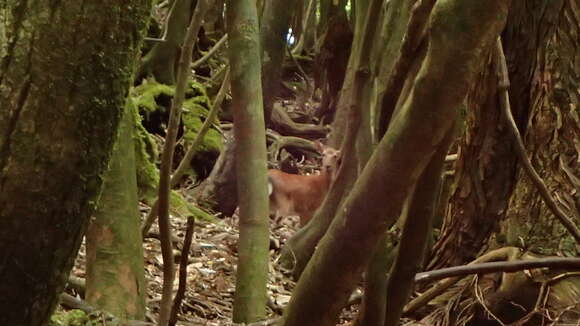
(552, 130)
(461, 35)
(63, 82)
(250, 151)
(115, 274)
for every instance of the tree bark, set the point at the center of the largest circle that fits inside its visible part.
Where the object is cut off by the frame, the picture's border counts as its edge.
(416, 231)
(115, 281)
(486, 169)
(346, 126)
(552, 129)
(249, 131)
(63, 82)
(461, 34)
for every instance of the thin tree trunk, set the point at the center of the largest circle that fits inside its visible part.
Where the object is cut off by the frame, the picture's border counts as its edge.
(345, 250)
(183, 73)
(416, 231)
(61, 96)
(249, 131)
(115, 280)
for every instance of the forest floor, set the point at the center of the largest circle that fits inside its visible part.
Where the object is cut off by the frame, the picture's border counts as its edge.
(211, 271)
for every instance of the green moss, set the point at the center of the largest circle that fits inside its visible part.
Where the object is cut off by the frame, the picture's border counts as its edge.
(146, 155)
(145, 95)
(144, 98)
(181, 207)
(69, 318)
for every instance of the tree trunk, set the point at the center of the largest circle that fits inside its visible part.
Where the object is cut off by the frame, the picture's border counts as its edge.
(161, 61)
(485, 172)
(115, 280)
(347, 124)
(416, 230)
(306, 38)
(249, 131)
(218, 192)
(553, 128)
(63, 81)
(462, 32)
(214, 20)
(274, 28)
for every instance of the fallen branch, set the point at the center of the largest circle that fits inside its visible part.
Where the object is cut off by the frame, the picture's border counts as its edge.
(496, 255)
(493, 267)
(289, 142)
(503, 85)
(283, 124)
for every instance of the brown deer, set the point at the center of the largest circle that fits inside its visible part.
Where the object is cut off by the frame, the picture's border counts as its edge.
(293, 194)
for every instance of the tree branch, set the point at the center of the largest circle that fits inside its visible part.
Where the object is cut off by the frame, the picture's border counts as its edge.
(167, 160)
(182, 270)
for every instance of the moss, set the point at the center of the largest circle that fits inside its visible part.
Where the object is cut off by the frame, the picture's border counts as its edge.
(69, 318)
(145, 95)
(181, 207)
(146, 155)
(144, 99)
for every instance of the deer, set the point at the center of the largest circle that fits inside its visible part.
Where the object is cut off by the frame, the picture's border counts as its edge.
(294, 194)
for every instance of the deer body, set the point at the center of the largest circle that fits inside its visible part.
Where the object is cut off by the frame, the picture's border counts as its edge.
(293, 194)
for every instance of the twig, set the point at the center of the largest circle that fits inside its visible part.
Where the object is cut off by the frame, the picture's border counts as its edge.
(503, 85)
(183, 73)
(182, 270)
(211, 52)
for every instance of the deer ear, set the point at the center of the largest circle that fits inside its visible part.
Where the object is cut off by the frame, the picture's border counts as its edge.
(319, 146)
